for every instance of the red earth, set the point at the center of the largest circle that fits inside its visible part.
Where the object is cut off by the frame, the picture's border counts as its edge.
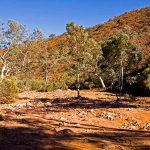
(59, 121)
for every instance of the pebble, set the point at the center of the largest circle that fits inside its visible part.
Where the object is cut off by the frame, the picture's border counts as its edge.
(82, 113)
(62, 119)
(82, 119)
(129, 109)
(48, 104)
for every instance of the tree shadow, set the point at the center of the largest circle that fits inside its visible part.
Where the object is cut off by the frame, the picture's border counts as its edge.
(119, 137)
(45, 134)
(21, 138)
(88, 103)
(41, 134)
(25, 138)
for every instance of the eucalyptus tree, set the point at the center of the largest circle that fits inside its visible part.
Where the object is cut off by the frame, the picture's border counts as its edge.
(11, 36)
(120, 54)
(47, 59)
(27, 57)
(84, 50)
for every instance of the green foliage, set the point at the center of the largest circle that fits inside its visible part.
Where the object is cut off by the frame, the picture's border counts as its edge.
(38, 85)
(23, 85)
(84, 50)
(147, 82)
(33, 84)
(64, 82)
(119, 52)
(8, 90)
(89, 85)
(131, 80)
(143, 80)
(140, 83)
(60, 85)
(35, 61)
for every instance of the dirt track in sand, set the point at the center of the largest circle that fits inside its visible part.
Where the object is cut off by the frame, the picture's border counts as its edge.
(58, 121)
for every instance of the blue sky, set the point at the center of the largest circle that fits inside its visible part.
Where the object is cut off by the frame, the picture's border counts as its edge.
(51, 16)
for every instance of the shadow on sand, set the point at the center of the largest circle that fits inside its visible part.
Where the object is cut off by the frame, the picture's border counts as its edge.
(25, 138)
(42, 135)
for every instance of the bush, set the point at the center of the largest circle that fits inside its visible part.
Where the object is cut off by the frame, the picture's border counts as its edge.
(89, 85)
(63, 82)
(8, 90)
(24, 85)
(60, 85)
(147, 84)
(38, 85)
(143, 80)
(139, 84)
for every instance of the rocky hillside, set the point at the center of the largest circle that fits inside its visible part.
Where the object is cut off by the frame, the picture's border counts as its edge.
(137, 21)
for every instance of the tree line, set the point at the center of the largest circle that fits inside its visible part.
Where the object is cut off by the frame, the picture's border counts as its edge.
(77, 61)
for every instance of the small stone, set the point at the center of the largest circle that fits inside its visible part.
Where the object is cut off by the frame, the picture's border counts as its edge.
(82, 113)
(82, 119)
(92, 110)
(19, 105)
(48, 104)
(129, 109)
(62, 119)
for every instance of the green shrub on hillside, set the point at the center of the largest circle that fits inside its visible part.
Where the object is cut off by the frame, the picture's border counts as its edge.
(8, 90)
(24, 85)
(38, 85)
(141, 82)
(60, 85)
(147, 82)
(64, 82)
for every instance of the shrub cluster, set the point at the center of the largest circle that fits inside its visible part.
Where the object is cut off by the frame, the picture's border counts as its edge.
(8, 90)
(140, 84)
(143, 80)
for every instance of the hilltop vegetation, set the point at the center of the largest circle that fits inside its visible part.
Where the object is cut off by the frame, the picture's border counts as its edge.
(81, 58)
(135, 21)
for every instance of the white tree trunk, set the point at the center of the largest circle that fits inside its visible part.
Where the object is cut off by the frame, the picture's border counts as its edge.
(46, 76)
(122, 76)
(102, 82)
(3, 71)
(78, 85)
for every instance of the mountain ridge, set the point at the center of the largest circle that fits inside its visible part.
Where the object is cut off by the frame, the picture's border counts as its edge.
(138, 21)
